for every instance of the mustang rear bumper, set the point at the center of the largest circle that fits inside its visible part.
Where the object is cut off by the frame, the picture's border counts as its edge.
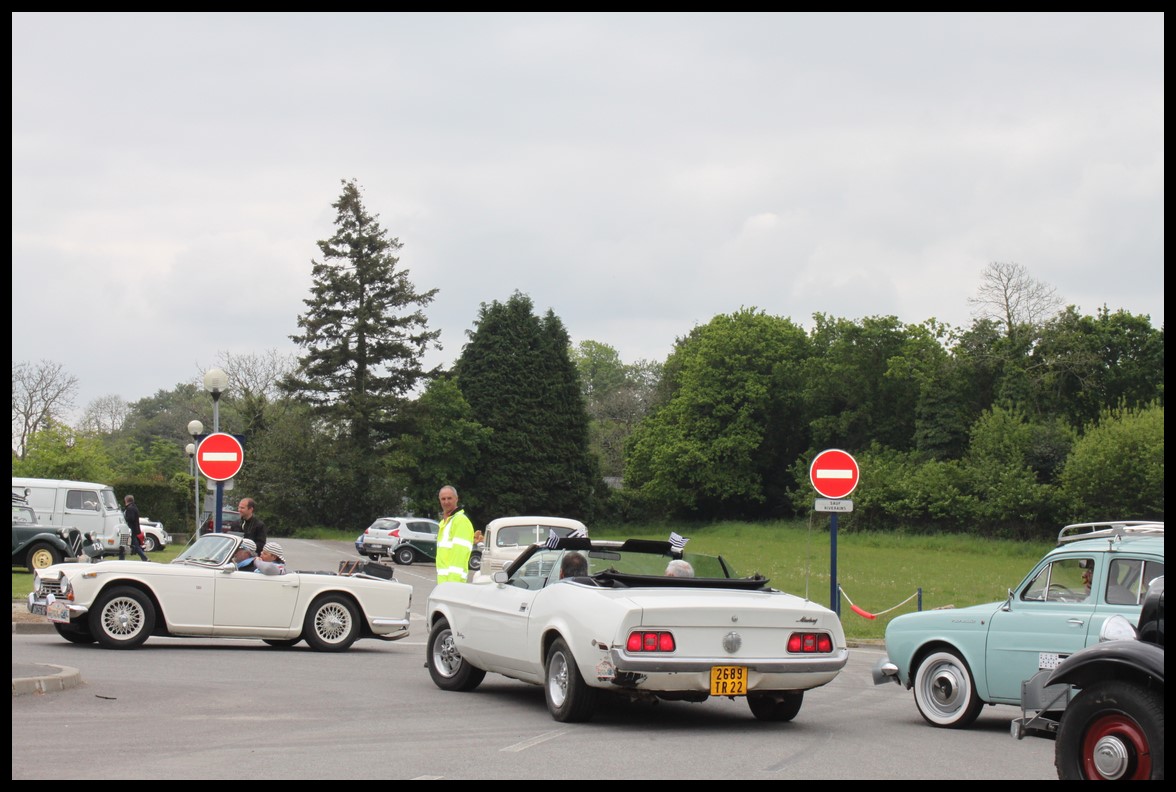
(800, 664)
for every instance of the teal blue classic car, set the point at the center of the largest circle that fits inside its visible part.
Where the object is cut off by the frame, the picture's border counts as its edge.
(959, 659)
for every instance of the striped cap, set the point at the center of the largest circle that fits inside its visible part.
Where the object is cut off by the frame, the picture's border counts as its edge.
(276, 549)
(250, 545)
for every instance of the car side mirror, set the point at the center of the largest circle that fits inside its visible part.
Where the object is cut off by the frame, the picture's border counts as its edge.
(500, 577)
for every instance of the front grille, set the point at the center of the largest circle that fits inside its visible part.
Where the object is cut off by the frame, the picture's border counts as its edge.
(50, 587)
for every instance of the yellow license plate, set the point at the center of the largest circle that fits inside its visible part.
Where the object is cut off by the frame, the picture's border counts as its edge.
(728, 681)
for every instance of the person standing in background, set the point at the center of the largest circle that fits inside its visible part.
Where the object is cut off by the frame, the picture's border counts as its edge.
(455, 539)
(251, 525)
(132, 516)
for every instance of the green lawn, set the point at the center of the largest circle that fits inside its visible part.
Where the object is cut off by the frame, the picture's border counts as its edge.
(880, 573)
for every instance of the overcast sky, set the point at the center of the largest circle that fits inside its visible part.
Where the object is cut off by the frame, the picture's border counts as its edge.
(637, 174)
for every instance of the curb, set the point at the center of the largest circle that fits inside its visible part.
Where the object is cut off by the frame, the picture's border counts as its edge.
(40, 678)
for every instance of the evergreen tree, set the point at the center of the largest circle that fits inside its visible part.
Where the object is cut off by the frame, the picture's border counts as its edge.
(364, 334)
(519, 380)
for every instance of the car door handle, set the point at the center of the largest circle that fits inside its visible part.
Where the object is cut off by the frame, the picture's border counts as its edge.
(523, 608)
(1076, 622)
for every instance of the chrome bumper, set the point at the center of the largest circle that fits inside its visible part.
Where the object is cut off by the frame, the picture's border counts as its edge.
(885, 671)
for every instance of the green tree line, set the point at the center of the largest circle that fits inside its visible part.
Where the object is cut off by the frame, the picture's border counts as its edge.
(1032, 416)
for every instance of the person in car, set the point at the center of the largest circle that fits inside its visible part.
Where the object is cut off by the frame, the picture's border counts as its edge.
(246, 555)
(272, 560)
(679, 568)
(573, 565)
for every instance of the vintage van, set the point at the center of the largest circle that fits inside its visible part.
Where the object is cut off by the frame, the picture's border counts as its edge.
(505, 539)
(87, 506)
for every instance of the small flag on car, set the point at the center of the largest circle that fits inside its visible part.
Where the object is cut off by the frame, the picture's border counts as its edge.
(552, 538)
(677, 542)
(579, 533)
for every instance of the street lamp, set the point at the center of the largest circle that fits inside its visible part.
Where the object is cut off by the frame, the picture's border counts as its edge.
(216, 382)
(195, 429)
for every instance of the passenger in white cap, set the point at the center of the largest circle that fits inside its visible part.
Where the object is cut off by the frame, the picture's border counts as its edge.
(245, 555)
(272, 560)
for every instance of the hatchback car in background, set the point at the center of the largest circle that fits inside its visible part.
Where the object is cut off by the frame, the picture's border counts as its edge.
(230, 521)
(155, 537)
(406, 539)
(959, 659)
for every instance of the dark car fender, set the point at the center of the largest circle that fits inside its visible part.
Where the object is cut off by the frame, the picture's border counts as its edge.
(1122, 659)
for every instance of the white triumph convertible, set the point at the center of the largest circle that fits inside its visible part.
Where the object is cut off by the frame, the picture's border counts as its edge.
(620, 624)
(202, 594)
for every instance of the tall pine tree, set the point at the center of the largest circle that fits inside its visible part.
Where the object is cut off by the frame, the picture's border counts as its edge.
(364, 334)
(517, 374)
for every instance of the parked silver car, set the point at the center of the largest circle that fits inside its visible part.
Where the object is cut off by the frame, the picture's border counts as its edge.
(404, 538)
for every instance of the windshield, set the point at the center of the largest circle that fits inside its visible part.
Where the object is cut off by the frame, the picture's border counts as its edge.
(210, 549)
(628, 562)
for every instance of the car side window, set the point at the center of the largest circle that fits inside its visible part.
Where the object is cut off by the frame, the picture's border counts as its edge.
(1060, 581)
(1129, 579)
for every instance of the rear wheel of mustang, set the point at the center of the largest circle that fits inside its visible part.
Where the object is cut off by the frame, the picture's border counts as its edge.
(122, 618)
(781, 706)
(449, 670)
(75, 632)
(331, 624)
(569, 698)
(282, 643)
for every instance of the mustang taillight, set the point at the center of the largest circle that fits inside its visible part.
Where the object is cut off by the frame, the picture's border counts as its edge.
(810, 643)
(650, 641)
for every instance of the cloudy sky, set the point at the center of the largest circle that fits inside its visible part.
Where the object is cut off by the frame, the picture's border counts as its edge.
(637, 174)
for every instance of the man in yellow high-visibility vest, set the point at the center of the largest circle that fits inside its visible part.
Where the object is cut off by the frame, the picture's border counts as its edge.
(455, 540)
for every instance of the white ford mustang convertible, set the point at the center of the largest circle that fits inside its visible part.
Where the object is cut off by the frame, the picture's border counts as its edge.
(622, 626)
(202, 594)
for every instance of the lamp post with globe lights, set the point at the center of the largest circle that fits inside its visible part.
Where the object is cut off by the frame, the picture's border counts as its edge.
(195, 429)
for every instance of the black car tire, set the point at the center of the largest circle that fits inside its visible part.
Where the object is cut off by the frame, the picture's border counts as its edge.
(42, 556)
(569, 698)
(945, 692)
(781, 706)
(449, 670)
(405, 555)
(77, 632)
(282, 643)
(1113, 730)
(122, 618)
(331, 624)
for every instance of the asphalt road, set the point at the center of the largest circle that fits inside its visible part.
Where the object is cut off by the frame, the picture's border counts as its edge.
(232, 709)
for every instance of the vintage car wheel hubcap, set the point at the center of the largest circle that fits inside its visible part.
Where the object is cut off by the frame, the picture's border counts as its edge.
(557, 684)
(1114, 742)
(445, 656)
(944, 688)
(122, 618)
(332, 624)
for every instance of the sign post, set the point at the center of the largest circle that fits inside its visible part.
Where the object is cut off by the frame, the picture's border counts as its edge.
(220, 457)
(834, 475)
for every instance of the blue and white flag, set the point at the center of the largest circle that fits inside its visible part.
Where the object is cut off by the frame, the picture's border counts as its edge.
(552, 538)
(677, 542)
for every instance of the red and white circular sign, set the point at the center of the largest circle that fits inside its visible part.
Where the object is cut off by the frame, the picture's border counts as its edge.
(220, 456)
(834, 473)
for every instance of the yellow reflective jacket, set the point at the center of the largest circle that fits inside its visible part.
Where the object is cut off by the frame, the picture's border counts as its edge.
(455, 542)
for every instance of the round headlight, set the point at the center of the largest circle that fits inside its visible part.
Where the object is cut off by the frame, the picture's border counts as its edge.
(1117, 628)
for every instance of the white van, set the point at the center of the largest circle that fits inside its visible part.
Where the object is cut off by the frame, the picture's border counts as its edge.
(89, 507)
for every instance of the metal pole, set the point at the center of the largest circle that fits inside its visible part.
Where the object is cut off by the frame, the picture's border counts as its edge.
(196, 493)
(834, 592)
(220, 485)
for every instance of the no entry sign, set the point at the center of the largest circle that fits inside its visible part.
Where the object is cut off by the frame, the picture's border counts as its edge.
(220, 456)
(834, 473)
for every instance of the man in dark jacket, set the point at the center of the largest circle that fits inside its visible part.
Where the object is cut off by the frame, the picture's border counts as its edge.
(251, 525)
(132, 517)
